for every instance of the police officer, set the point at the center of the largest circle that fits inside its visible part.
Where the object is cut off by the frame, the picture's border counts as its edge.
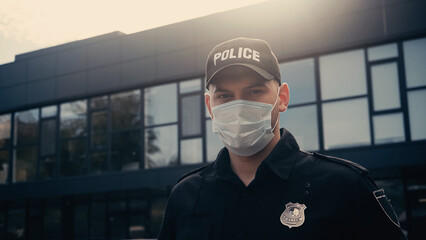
(262, 186)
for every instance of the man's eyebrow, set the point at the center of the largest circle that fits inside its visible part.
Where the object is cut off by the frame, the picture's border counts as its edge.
(219, 89)
(258, 84)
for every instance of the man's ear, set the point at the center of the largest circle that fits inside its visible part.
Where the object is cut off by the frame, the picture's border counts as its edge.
(284, 96)
(207, 99)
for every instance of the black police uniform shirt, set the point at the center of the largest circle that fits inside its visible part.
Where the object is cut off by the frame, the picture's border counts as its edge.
(294, 195)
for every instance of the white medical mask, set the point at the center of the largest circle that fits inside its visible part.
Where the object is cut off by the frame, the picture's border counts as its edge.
(244, 127)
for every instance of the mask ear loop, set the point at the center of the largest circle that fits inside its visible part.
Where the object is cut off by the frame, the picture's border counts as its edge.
(278, 116)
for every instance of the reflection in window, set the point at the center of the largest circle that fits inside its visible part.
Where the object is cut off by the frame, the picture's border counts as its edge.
(99, 129)
(49, 111)
(158, 205)
(160, 104)
(191, 115)
(417, 114)
(161, 146)
(300, 76)
(415, 62)
(214, 145)
(81, 221)
(48, 137)
(73, 158)
(302, 123)
(125, 110)
(26, 125)
(97, 220)
(190, 86)
(343, 75)
(4, 130)
(47, 168)
(191, 151)
(125, 151)
(99, 161)
(25, 163)
(388, 128)
(118, 219)
(52, 222)
(382, 52)
(4, 166)
(385, 86)
(73, 119)
(346, 123)
(16, 224)
(99, 102)
(2, 224)
(137, 226)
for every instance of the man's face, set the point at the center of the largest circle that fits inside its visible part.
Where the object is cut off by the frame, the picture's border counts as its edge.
(241, 84)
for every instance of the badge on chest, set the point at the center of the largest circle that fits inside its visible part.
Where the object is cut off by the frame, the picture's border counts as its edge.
(293, 215)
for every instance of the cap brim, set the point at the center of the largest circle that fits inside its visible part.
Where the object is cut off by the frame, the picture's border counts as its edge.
(261, 72)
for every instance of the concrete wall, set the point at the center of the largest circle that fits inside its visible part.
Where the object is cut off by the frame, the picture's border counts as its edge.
(117, 61)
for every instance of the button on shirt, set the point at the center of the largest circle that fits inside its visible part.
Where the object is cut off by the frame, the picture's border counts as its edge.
(294, 195)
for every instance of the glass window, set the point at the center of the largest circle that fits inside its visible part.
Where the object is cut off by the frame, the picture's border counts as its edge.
(191, 115)
(97, 220)
(190, 86)
(26, 124)
(47, 168)
(300, 76)
(16, 224)
(73, 157)
(191, 151)
(34, 221)
(302, 122)
(343, 75)
(417, 114)
(81, 221)
(415, 62)
(99, 102)
(385, 86)
(125, 151)
(48, 137)
(73, 119)
(346, 123)
(99, 161)
(4, 130)
(125, 110)
(160, 104)
(49, 111)
(2, 224)
(161, 146)
(4, 166)
(25, 162)
(137, 226)
(99, 129)
(158, 205)
(52, 222)
(388, 128)
(214, 145)
(382, 52)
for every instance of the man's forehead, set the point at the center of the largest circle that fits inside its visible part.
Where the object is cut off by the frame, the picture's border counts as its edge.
(237, 74)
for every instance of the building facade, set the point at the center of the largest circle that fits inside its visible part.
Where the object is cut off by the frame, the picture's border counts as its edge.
(95, 133)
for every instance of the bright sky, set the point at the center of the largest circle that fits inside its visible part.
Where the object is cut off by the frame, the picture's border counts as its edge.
(27, 25)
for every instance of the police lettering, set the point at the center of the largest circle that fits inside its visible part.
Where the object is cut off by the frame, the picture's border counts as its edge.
(246, 53)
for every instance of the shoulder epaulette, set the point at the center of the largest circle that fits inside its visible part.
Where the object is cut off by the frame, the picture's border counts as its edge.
(351, 164)
(192, 172)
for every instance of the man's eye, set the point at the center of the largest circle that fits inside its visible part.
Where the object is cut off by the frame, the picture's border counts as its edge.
(223, 96)
(255, 91)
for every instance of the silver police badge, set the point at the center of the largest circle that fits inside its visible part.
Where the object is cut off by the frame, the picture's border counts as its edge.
(293, 215)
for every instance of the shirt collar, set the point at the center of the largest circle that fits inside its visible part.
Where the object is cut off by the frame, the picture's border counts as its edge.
(280, 160)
